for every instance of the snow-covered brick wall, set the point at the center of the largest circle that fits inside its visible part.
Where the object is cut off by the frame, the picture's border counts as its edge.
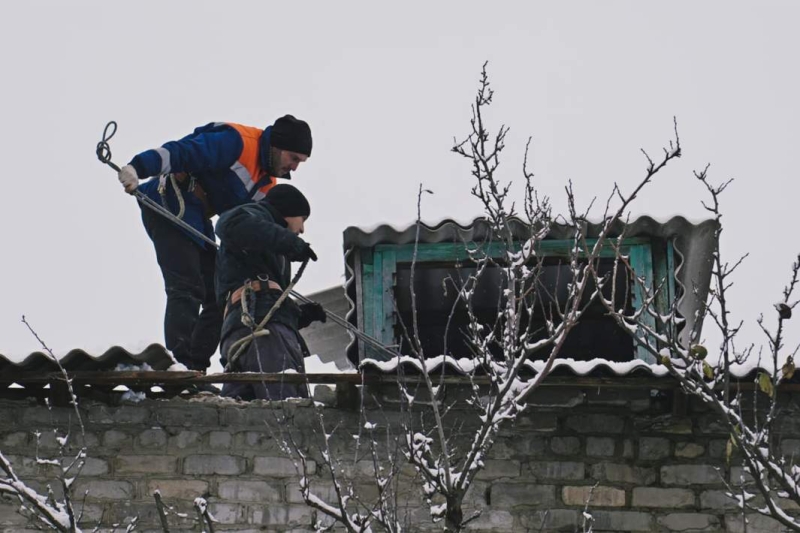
(647, 466)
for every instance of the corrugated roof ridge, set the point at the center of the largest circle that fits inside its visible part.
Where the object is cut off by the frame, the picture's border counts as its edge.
(579, 368)
(394, 235)
(154, 355)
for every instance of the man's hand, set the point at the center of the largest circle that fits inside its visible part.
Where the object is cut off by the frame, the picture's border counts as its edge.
(311, 312)
(307, 253)
(128, 178)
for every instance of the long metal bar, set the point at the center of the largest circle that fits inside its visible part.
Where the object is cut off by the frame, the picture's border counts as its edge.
(334, 317)
(150, 204)
(368, 339)
(161, 210)
(104, 155)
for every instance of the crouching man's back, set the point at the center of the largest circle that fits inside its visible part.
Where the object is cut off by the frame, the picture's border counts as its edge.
(258, 242)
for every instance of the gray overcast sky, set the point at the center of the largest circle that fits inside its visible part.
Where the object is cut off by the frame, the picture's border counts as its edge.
(385, 89)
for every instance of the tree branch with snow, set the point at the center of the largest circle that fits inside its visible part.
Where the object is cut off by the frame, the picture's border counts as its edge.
(709, 377)
(344, 505)
(513, 348)
(46, 509)
(503, 349)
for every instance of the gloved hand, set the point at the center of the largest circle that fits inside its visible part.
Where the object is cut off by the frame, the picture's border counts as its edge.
(306, 252)
(311, 312)
(128, 178)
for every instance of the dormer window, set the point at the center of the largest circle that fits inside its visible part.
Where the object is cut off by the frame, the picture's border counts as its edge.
(380, 281)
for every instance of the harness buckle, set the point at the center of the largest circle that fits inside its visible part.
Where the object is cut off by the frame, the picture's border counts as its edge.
(247, 293)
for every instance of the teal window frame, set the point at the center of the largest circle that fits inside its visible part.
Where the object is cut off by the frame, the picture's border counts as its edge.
(377, 269)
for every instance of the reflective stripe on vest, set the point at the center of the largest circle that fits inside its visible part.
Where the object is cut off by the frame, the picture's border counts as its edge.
(248, 166)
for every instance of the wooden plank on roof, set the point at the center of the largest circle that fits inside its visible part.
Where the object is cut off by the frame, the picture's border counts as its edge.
(114, 378)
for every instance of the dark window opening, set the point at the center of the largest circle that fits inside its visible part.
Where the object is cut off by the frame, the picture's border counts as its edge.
(595, 336)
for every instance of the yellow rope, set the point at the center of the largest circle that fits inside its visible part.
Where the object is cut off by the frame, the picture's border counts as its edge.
(162, 190)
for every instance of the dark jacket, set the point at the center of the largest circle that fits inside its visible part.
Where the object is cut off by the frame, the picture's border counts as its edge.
(255, 244)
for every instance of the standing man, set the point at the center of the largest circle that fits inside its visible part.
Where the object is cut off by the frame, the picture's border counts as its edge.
(257, 243)
(216, 168)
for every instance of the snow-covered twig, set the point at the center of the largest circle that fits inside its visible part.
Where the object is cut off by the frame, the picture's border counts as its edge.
(587, 520)
(347, 508)
(162, 512)
(46, 509)
(207, 520)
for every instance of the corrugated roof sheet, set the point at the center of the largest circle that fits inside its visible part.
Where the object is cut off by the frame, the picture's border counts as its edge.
(598, 368)
(694, 244)
(155, 355)
(329, 340)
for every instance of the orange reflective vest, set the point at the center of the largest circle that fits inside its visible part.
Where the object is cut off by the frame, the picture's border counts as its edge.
(248, 166)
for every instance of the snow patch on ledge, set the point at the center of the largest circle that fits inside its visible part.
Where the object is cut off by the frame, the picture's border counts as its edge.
(314, 365)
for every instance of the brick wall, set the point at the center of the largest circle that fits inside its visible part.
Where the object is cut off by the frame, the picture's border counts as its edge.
(651, 470)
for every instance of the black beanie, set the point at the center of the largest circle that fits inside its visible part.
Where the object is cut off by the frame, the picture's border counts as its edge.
(288, 201)
(291, 134)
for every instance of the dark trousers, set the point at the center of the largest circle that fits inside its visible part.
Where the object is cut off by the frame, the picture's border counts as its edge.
(191, 334)
(283, 349)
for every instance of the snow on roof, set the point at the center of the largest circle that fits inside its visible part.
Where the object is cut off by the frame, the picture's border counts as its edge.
(314, 365)
(563, 367)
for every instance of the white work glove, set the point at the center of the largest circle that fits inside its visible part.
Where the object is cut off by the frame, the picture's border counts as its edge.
(128, 178)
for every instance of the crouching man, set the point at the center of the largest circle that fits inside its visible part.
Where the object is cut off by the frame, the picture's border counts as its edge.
(257, 243)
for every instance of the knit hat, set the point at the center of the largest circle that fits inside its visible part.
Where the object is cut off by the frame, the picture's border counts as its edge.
(288, 201)
(291, 134)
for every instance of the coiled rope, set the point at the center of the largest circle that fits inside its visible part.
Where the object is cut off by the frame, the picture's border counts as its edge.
(241, 345)
(103, 152)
